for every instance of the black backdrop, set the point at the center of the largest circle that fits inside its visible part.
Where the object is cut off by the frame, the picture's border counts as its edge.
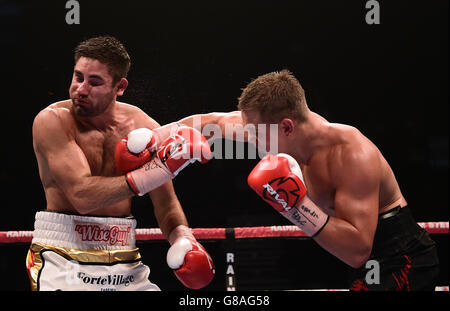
(389, 80)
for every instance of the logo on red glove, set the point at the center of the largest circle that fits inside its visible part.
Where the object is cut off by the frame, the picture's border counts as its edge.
(177, 146)
(284, 191)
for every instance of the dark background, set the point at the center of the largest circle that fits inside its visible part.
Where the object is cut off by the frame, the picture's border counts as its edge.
(389, 80)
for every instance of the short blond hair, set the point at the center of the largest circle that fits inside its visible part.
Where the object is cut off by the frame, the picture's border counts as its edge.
(274, 96)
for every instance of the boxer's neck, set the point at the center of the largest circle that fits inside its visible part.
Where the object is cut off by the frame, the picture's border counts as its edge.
(310, 137)
(107, 119)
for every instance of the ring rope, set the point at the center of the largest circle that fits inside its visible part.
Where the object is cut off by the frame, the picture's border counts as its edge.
(146, 234)
(436, 289)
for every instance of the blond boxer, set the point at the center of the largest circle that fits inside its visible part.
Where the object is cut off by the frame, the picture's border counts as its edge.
(334, 183)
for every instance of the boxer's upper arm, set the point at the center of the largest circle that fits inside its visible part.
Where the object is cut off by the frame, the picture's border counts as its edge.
(357, 191)
(141, 119)
(54, 144)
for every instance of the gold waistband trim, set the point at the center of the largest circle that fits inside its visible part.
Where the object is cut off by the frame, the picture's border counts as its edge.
(90, 256)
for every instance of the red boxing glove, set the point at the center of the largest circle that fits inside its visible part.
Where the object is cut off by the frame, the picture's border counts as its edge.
(187, 145)
(278, 179)
(191, 263)
(135, 150)
(278, 182)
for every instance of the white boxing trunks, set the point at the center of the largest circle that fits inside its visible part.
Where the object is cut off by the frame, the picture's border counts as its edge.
(72, 252)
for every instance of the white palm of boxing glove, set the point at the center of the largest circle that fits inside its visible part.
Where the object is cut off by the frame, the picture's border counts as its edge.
(139, 146)
(135, 150)
(187, 145)
(191, 263)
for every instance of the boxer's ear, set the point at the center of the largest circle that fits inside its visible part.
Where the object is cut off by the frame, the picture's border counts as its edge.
(121, 86)
(287, 126)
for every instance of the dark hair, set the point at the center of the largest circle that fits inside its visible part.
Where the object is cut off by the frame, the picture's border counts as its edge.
(109, 51)
(275, 95)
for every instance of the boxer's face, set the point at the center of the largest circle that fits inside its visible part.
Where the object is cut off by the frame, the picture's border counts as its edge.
(251, 118)
(255, 119)
(91, 89)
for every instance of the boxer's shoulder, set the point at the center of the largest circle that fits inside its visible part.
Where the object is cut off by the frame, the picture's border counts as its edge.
(348, 141)
(138, 117)
(352, 152)
(55, 117)
(61, 109)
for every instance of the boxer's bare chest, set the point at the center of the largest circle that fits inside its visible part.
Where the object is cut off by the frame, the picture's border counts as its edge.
(98, 148)
(320, 188)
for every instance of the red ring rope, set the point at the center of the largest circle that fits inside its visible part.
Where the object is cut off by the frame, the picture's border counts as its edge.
(219, 233)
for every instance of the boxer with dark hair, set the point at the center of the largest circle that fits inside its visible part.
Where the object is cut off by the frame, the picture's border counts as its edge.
(85, 239)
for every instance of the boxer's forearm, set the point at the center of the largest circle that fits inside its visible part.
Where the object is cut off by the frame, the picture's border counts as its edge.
(168, 213)
(96, 192)
(170, 222)
(337, 236)
(220, 120)
(199, 121)
(343, 240)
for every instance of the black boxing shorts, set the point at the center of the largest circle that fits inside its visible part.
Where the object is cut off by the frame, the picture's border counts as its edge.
(85, 253)
(403, 258)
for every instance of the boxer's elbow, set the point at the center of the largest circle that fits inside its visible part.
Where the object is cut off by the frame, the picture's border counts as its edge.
(84, 211)
(81, 205)
(358, 261)
(81, 202)
(360, 256)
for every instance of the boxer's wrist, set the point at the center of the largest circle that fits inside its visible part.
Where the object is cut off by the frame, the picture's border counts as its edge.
(148, 177)
(164, 132)
(180, 231)
(307, 216)
(130, 183)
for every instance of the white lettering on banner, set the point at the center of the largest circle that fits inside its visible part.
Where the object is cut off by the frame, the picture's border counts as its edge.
(230, 275)
(230, 257)
(110, 234)
(19, 234)
(438, 225)
(230, 270)
(285, 228)
(148, 231)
